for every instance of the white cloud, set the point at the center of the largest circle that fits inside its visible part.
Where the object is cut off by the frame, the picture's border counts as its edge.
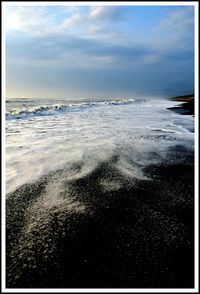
(89, 22)
(107, 13)
(72, 21)
(27, 19)
(94, 21)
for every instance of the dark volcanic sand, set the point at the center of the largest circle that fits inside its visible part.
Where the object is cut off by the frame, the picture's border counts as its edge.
(92, 235)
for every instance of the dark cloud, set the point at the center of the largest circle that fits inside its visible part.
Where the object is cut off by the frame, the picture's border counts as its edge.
(156, 79)
(54, 47)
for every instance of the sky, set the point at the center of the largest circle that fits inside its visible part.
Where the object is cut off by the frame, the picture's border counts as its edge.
(99, 51)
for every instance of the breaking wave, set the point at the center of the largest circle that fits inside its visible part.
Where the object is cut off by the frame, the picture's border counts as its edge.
(46, 110)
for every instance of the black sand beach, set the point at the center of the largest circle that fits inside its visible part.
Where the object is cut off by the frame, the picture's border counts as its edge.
(91, 235)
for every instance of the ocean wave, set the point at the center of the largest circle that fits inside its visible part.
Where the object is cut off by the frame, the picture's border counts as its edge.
(46, 110)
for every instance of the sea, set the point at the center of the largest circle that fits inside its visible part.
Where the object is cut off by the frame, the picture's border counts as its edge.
(46, 134)
(99, 193)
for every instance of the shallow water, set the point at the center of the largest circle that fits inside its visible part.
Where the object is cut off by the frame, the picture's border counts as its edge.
(45, 135)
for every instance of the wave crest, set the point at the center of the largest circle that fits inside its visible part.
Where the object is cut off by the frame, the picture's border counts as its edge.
(46, 110)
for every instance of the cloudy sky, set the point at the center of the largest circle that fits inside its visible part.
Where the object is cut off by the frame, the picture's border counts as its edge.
(99, 51)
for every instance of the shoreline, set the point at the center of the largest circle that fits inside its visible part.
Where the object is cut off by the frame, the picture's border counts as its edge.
(185, 108)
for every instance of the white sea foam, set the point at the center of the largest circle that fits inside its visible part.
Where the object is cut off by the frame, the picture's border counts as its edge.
(29, 110)
(38, 143)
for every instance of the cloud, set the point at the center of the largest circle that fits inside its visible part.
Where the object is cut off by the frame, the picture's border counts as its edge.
(98, 48)
(108, 13)
(27, 19)
(93, 22)
(41, 20)
(73, 21)
(66, 81)
(181, 19)
(151, 58)
(68, 48)
(176, 30)
(88, 52)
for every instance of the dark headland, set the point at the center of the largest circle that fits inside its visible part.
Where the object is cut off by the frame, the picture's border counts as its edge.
(187, 107)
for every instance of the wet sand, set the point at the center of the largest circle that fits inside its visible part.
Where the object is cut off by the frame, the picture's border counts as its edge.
(104, 230)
